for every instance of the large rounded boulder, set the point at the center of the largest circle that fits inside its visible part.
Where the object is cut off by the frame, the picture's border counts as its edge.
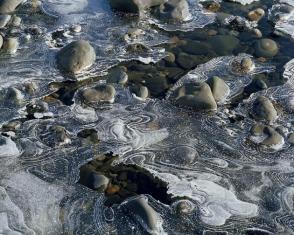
(197, 96)
(76, 56)
(8, 6)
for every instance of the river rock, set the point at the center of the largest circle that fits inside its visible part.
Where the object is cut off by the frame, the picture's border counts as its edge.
(93, 179)
(174, 9)
(266, 48)
(195, 47)
(223, 44)
(8, 6)
(256, 14)
(14, 95)
(263, 109)
(4, 19)
(133, 6)
(220, 90)
(140, 91)
(99, 93)
(291, 138)
(273, 137)
(256, 85)
(59, 135)
(16, 21)
(195, 95)
(145, 214)
(118, 75)
(76, 56)
(10, 45)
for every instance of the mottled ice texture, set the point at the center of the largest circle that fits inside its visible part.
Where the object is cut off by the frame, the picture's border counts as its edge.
(282, 15)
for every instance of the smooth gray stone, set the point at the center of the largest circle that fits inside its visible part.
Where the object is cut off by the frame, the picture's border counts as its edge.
(100, 93)
(195, 95)
(8, 6)
(219, 88)
(118, 75)
(10, 45)
(266, 48)
(76, 56)
(263, 109)
(4, 19)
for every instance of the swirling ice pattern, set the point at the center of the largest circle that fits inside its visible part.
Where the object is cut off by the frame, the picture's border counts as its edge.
(225, 181)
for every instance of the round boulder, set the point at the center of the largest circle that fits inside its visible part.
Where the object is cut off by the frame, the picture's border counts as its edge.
(266, 48)
(195, 95)
(263, 109)
(175, 10)
(100, 93)
(8, 6)
(76, 56)
(220, 90)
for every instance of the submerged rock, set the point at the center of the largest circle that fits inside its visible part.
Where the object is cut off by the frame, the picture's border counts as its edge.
(219, 88)
(266, 48)
(99, 93)
(118, 75)
(263, 109)
(195, 95)
(76, 56)
(223, 44)
(8, 6)
(147, 216)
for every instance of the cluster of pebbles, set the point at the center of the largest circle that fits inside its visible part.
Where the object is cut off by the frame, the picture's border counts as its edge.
(186, 51)
(8, 20)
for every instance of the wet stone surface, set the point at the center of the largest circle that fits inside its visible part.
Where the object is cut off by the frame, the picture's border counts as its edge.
(146, 117)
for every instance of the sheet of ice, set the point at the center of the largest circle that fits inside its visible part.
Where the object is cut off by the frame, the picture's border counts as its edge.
(282, 14)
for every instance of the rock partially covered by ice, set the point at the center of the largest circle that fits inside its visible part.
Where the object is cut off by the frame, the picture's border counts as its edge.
(216, 203)
(7, 147)
(8, 6)
(139, 208)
